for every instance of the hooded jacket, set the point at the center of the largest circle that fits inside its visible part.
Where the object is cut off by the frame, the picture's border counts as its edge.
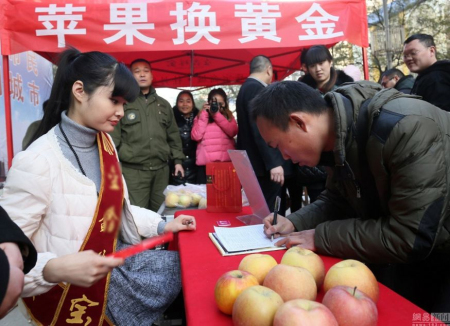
(433, 84)
(387, 198)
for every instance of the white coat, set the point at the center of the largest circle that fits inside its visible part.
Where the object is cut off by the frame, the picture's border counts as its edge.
(54, 205)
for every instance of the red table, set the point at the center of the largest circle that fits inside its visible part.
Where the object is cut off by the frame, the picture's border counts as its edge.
(202, 265)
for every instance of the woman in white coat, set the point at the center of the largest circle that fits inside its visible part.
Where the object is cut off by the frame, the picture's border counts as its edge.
(67, 194)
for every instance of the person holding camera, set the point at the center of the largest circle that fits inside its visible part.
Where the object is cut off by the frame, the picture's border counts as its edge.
(214, 129)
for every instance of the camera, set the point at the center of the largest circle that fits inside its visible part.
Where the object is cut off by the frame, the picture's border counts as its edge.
(214, 107)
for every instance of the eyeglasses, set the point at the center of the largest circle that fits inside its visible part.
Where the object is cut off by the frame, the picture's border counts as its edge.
(413, 53)
(383, 84)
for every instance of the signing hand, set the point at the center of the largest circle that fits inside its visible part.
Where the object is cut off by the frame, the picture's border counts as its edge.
(304, 239)
(277, 175)
(283, 226)
(82, 268)
(181, 223)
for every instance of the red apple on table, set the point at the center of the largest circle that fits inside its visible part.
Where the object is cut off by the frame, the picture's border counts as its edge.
(351, 306)
(229, 286)
(301, 257)
(256, 306)
(352, 273)
(301, 312)
(291, 282)
(258, 265)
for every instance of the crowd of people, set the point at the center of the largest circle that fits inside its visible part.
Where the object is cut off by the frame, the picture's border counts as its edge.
(373, 157)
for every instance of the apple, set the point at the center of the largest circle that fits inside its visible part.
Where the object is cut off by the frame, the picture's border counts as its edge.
(195, 199)
(300, 257)
(184, 201)
(229, 286)
(257, 306)
(301, 312)
(171, 199)
(351, 306)
(291, 282)
(352, 273)
(258, 265)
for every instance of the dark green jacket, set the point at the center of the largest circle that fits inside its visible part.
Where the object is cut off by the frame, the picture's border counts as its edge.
(147, 137)
(387, 196)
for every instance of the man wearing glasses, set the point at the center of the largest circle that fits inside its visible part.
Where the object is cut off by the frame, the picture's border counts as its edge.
(433, 81)
(394, 78)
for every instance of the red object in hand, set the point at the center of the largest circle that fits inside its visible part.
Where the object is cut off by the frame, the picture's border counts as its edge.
(144, 245)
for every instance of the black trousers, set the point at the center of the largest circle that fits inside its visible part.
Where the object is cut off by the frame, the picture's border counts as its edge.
(270, 191)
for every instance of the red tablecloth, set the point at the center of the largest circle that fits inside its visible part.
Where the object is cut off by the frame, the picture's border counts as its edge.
(202, 265)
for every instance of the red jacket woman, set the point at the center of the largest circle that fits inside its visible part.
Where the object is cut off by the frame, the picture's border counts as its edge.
(214, 132)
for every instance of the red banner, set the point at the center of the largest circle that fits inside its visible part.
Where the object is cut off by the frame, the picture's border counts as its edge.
(174, 29)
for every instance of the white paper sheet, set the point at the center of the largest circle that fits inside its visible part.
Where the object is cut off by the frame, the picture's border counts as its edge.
(244, 238)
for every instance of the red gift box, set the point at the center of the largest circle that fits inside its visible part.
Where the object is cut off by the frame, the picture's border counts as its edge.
(223, 189)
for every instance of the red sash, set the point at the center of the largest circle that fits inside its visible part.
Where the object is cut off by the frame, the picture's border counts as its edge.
(67, 304)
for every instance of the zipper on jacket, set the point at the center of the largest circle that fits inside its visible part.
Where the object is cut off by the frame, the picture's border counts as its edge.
(352, 175)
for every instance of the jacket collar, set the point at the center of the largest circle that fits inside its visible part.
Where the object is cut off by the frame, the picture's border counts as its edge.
(345, 102)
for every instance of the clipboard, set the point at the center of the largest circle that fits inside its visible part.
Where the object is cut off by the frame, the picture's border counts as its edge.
(224, 252)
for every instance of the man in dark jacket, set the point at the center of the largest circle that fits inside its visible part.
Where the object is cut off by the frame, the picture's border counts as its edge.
(267, 162)
(433, 81)
(388, 189)
(17, 256)
(396, 79)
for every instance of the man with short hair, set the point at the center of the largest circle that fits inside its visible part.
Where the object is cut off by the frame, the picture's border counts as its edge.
(433, 81)
(387, 197)
(394, 78)
(146, 138)
(267, 162)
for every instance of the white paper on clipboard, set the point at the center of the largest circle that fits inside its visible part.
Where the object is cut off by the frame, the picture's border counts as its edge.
(251, 186)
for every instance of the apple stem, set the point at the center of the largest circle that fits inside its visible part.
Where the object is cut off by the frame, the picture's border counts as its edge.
(354, 291)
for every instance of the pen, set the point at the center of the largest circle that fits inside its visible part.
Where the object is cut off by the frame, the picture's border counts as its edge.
(275, 212)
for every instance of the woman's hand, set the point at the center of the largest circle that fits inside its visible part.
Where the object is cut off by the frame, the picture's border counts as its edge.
(83, 268)
(206, 107)
(181, 223)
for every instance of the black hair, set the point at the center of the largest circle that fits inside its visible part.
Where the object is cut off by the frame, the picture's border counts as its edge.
(278, 100)
(188, 93)
(317, 54)
(425, 39)
(259, 64)
(303, 56)
(226, 110)
(140, 60)
(94, 69)
(393, 72)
